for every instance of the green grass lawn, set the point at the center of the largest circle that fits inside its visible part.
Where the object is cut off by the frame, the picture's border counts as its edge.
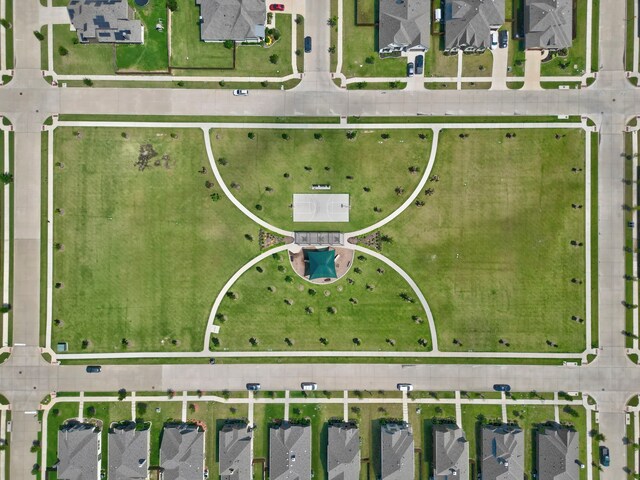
(263, 162)
(491, 249)
(473, 417)
(366, 11)
(421, 418)
(187, 50)
(319, 415)
(576, 416)
(251, 59)
(263, 415)
(477, 65)
(94, 59)
(380, 314)
(576, 54)
(360, 44)
(153, 54)
(368, 416)
(145, 252)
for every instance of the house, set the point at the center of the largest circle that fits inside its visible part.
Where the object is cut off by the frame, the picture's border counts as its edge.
(182, 452)
(450, 453)
(290, 452)
(79, 451)
(396, 451)
(502, 452)
(343, 451)
(234, 451)
(128, 452)
(404, 25)
(238, 20)
(557, 453)
(105, 21)
(548, 24)
(468, 24)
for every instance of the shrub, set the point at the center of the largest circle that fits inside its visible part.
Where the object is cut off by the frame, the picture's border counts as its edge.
(5, 23)
(63, 51)
(38, 35)
(228, 44)
(274, 58)
(172, 5)
(88, 82)
(6, 177)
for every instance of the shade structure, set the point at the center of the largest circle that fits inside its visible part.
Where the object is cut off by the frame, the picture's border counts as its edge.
(322, 264)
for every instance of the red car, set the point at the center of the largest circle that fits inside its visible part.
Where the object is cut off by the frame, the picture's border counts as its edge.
(276, 7)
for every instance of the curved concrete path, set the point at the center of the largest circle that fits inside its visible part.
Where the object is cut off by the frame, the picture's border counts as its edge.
(227, 192)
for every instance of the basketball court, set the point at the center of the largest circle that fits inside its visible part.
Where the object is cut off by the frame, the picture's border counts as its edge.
(321, 207)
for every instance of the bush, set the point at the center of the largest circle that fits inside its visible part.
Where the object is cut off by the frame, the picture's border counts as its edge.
(6, 177)
(38, 35)
(274, 58)
(228, 44)
(63, 51)
(5, 23)
(172, 5)
(88, 82)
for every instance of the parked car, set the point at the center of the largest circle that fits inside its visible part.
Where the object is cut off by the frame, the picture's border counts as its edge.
(410, 69)
(307, 44)
(276, 7)
(405, 387)
(502, 387)
(494, 40)
(604, 456)
(504, 38)
(309, 386)
(240, 93)
(94, 369)
(254, 387)
(419, 64)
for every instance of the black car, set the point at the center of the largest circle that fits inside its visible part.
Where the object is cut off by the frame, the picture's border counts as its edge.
(604, 456)
(419, 64)
(254, 387)
(307, 44)
(502, 387)
(503, 38)
(94, 369)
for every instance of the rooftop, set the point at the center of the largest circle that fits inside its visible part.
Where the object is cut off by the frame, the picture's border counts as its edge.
(502, 452)
(343, 452)
(450, 452)
(234, 449)
(105, 21)
(182, 452)
(128, 452)
(548, 24)
(468, 23)
(239, 20)
(290, 452)
(558, 453)
(404, 25)
(78, 451)
(396, 451)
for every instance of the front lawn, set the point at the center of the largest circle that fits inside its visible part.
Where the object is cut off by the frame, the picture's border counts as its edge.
(94, 59)
(140, 254)
(575, 63)
(369, 309)
(422, 417)
(491, 250)
(264, 172)
(360, 49)
(477, 65)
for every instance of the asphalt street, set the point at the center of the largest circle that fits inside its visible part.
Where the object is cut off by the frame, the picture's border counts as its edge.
(27, 101)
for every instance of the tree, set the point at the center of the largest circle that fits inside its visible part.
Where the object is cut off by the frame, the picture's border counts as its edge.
(285, 136)
(264, 83)
(38, 35)
(332, 49)
(369, 60)
(351, 134)
(317, 136)
(88, 82)
(333, 21)
(5, 23)
(274, 58)
(122, 394)
(299, 19)
(214, 197)
(172, 5)
(385, 136)
(361, 85)
(63, 51)
(228, 44)
(6, 177)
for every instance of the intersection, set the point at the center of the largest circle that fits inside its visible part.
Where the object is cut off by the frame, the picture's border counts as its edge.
(25, 378)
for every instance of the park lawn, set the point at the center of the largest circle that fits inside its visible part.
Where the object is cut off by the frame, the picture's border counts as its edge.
(93, 59)
(187, 50)
(214, 415)
(491, 249)
(263, 162)
(577, 54)
(379, 315)
(368, 416)
(153, 54)
(319, 415)
(145, 252)
(360, 43)
(530, 418)
(473, 418)
(477, 65)
(421, 418)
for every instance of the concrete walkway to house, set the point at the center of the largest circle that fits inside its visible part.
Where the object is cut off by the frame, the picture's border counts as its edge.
(459, 76)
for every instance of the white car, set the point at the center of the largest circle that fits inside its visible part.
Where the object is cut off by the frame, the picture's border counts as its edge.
(240, 93)
(309, 386)
(494, 39)
(405, 387)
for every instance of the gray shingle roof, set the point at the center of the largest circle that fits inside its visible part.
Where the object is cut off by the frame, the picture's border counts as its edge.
(343, 452)
(502, 452)
(79, 452)
(104, 21)
(450, 453)
(240, 20)
(396, 451)
(468, 23)
(557, 454)
(234, 450)
(182, 452)
(548, 24)
(290, 452)
(404, 24)
(128, 453)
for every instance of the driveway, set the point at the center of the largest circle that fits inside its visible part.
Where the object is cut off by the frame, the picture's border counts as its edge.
(499, 73)
(532, 62)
